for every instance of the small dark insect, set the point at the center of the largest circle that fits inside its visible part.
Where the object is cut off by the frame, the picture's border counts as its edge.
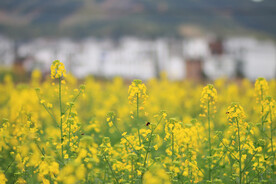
(82, 134)
(227, 112)
(148, 123)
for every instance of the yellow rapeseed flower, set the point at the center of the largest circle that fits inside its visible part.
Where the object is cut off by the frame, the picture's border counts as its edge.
(137, 91)
(208, 99)
(235, 111)
(3, 178)
(156, 175)
(261, 89)
(57, 70)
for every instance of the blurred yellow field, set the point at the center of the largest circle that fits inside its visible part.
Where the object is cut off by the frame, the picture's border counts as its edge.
(61, 130)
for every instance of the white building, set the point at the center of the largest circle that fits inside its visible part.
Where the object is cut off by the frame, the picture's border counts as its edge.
(132, 57)
(7, 51)
(219, 66)
(256, 58)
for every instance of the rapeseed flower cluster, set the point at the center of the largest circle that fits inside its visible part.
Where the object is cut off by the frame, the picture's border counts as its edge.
(57, 70)
(137, 91)
(234, 112)
(208, 100)
(261, 89)
(3, 178)
(240, 145)
(156, 175)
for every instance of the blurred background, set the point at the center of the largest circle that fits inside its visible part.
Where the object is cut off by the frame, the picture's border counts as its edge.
(186, 39)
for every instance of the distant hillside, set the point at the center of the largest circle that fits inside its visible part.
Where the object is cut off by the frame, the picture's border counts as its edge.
(151, 18)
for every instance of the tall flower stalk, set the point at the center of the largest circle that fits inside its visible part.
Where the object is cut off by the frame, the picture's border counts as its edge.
(137, 95)
(208, 100)
(261, 91)
(236, 115)
(58, 72)
(269, 115)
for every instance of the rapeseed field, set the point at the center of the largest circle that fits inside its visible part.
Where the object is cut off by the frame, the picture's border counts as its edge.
(63, 130)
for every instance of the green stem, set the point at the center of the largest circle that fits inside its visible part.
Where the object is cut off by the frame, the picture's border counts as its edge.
(69, 124)
(264, 147)
(61, 114)
(209, 140)
(262, 110)
(189, 168)
(239, 147)
(137, 118)
(231, 154)
(47, 110)
(172, 144)
(145, 161)
(132, 171)
(9, 166)
(104, 174)
(271, 142)
(248, 163)
(110, 167)
(76, 97)
(119, 132)
(258, 169)
(39, 148)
